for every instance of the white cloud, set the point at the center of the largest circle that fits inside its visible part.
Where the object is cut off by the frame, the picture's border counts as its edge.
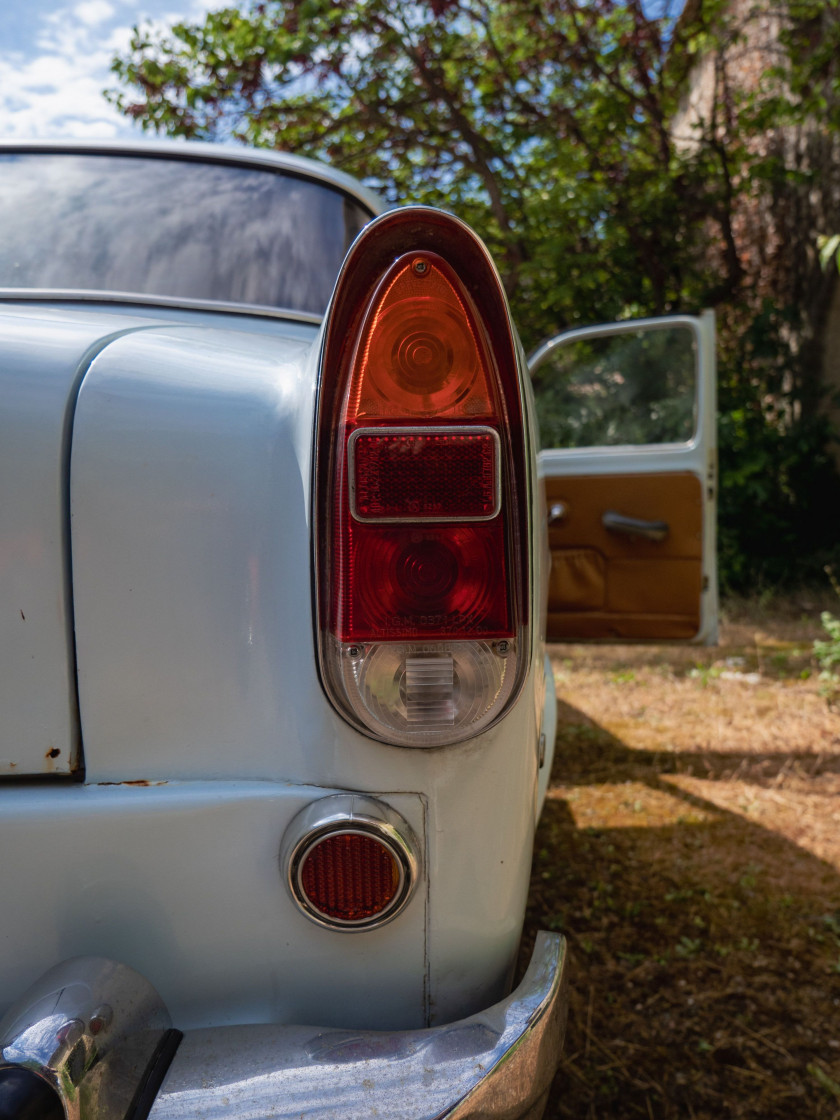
(92, 12)
(58, 92)
(55, 88)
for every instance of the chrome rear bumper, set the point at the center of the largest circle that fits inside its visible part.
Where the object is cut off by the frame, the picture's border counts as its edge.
(494, 1065)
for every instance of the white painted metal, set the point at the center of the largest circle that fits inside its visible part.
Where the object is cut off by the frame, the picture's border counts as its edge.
(45, 354)
(698, 455)
(189, 506)
(190, 499)
(182, 881)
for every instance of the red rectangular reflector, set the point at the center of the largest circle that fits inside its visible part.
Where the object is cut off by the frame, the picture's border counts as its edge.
(432, 474)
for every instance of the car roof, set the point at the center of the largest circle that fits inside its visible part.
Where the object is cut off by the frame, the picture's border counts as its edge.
(199, 150)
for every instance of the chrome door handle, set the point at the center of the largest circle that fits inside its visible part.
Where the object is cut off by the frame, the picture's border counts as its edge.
(557, 512)
(634, 527)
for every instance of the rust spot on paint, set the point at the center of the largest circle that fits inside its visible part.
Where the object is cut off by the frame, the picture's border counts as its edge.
(134, 782)
(54, 753)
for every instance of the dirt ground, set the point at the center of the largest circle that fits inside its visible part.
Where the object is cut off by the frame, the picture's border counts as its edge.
(690, 852)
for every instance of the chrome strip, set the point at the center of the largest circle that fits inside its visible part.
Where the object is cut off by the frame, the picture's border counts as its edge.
(350, 813)
(495, 1065)
(90, 1028)
(87, 295)
(429, 430)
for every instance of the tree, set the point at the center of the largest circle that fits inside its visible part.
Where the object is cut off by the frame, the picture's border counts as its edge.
(555, 128)
(544, 124)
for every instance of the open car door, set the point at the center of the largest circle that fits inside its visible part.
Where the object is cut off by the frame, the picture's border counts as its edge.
(627, 425)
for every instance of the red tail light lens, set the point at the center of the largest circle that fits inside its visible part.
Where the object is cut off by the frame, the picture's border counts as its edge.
(422, 487)
(350, 877)
(424, 584)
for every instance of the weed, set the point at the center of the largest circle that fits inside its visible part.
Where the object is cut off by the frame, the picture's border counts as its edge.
(705, 673)
(689, 947)
(748, 944)
(827, 651)
(679, 896)
(750, 877)
(632, 958)
(822, 1079)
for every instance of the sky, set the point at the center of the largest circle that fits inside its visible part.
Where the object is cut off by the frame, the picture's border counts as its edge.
(55, 57)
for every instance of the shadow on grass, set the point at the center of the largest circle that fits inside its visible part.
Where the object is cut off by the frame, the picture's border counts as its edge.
(705, 949)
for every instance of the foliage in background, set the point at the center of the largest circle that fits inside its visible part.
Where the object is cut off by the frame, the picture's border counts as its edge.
(542, 124)
(827, 651)
(778, 481)
(547, 126)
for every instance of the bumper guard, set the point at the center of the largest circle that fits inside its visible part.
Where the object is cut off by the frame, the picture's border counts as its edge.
(494, 1065)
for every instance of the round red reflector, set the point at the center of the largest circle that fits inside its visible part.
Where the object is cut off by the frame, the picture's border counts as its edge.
(350, 877)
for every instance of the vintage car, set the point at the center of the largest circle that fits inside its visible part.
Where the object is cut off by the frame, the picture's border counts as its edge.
(274, 574)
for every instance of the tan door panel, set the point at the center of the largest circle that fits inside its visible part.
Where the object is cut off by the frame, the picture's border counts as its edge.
(614, 585)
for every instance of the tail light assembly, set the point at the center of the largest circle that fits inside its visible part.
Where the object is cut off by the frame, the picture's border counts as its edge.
(421, 523)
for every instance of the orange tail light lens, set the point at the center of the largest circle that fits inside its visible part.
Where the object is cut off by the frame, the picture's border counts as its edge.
(422, 487)
(419, 353)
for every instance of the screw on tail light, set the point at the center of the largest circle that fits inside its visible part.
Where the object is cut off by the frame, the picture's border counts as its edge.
(350, 862)
(421, 487)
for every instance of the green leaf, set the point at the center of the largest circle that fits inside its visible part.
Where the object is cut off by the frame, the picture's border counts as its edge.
(829, 247)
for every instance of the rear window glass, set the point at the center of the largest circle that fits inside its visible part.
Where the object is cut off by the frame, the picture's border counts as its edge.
(171, 227)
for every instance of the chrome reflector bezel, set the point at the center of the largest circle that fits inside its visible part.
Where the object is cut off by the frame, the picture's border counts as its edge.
(342, 815)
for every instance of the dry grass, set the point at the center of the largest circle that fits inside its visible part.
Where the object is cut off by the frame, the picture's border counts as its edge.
(690, 851)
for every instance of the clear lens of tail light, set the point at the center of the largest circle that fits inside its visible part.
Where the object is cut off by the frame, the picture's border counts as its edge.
(428, 694)
(422, 487)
